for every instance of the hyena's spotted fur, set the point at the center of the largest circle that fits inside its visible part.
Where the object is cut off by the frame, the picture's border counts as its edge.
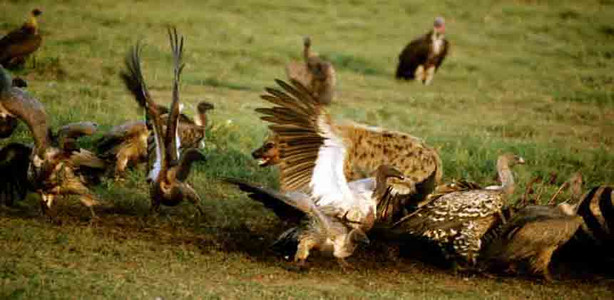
(370, 147)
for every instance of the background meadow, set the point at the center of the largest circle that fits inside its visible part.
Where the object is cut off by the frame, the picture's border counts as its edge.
(531, 77)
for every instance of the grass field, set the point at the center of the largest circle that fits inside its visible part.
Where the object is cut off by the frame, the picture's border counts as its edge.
(532, 77)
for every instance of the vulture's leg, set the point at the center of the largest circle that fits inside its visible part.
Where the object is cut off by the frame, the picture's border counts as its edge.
(430, 72)
(419, 73)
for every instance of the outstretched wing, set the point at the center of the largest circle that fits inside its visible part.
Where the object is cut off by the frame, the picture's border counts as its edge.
(292, 207)
(172, 136)
(134, 82)
(312, 154)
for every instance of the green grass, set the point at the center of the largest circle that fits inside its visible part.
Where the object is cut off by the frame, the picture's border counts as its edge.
(532, 77)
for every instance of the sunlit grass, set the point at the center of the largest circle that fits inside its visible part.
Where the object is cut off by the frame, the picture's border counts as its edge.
(531, 77)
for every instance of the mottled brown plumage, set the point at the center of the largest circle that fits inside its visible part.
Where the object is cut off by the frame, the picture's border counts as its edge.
(168, 176)
(56, 165)
(421, 58)
(16, 45)
(457, 216)
(532, 235)
(314, 73)
(124, 146)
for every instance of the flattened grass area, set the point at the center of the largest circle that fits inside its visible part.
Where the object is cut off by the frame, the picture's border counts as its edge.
(532, 77)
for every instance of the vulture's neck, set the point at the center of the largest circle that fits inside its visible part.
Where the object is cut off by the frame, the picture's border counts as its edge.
(380, 185)
(32, 24)
(201, 120)
(505, 176)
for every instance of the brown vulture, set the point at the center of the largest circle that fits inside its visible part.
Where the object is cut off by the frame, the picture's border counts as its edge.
(21, 42)
(169, 174)
(422, 57)
(458, 216)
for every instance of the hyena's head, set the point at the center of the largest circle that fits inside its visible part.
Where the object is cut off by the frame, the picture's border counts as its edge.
(268, 153)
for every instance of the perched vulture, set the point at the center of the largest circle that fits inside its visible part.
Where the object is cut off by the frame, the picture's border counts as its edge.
(16, 45)
(171, 169)
(421, 58)
(457, 216)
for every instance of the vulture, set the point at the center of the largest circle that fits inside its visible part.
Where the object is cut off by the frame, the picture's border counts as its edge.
(56, 166)
(171, 169)
(314, 73)
(458, 215)
(532, 235)
(312, 165)
(328, 227)
(124, 145)
(421, 58)
(16, 45)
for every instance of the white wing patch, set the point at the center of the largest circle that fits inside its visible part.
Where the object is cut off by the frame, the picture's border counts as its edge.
(155, 171)
(328, 182)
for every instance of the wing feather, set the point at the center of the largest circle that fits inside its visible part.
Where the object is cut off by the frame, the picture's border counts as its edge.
(172, 136)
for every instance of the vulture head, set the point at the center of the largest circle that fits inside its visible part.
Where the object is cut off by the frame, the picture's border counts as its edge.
(36, 12)
(439, 25)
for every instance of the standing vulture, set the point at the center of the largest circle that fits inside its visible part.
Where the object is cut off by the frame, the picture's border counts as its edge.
(21, 42)
(316, 74)
(422, 57)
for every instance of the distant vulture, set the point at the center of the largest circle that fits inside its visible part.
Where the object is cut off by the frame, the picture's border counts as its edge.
(21, 42)
(422, 57)
(316, 74)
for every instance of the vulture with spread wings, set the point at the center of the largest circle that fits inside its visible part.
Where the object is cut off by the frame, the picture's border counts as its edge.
(171, 169)
(312, 157)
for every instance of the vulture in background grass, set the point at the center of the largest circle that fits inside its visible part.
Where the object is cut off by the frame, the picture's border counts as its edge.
(316, 74)
(21, 42)
(421, 58)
